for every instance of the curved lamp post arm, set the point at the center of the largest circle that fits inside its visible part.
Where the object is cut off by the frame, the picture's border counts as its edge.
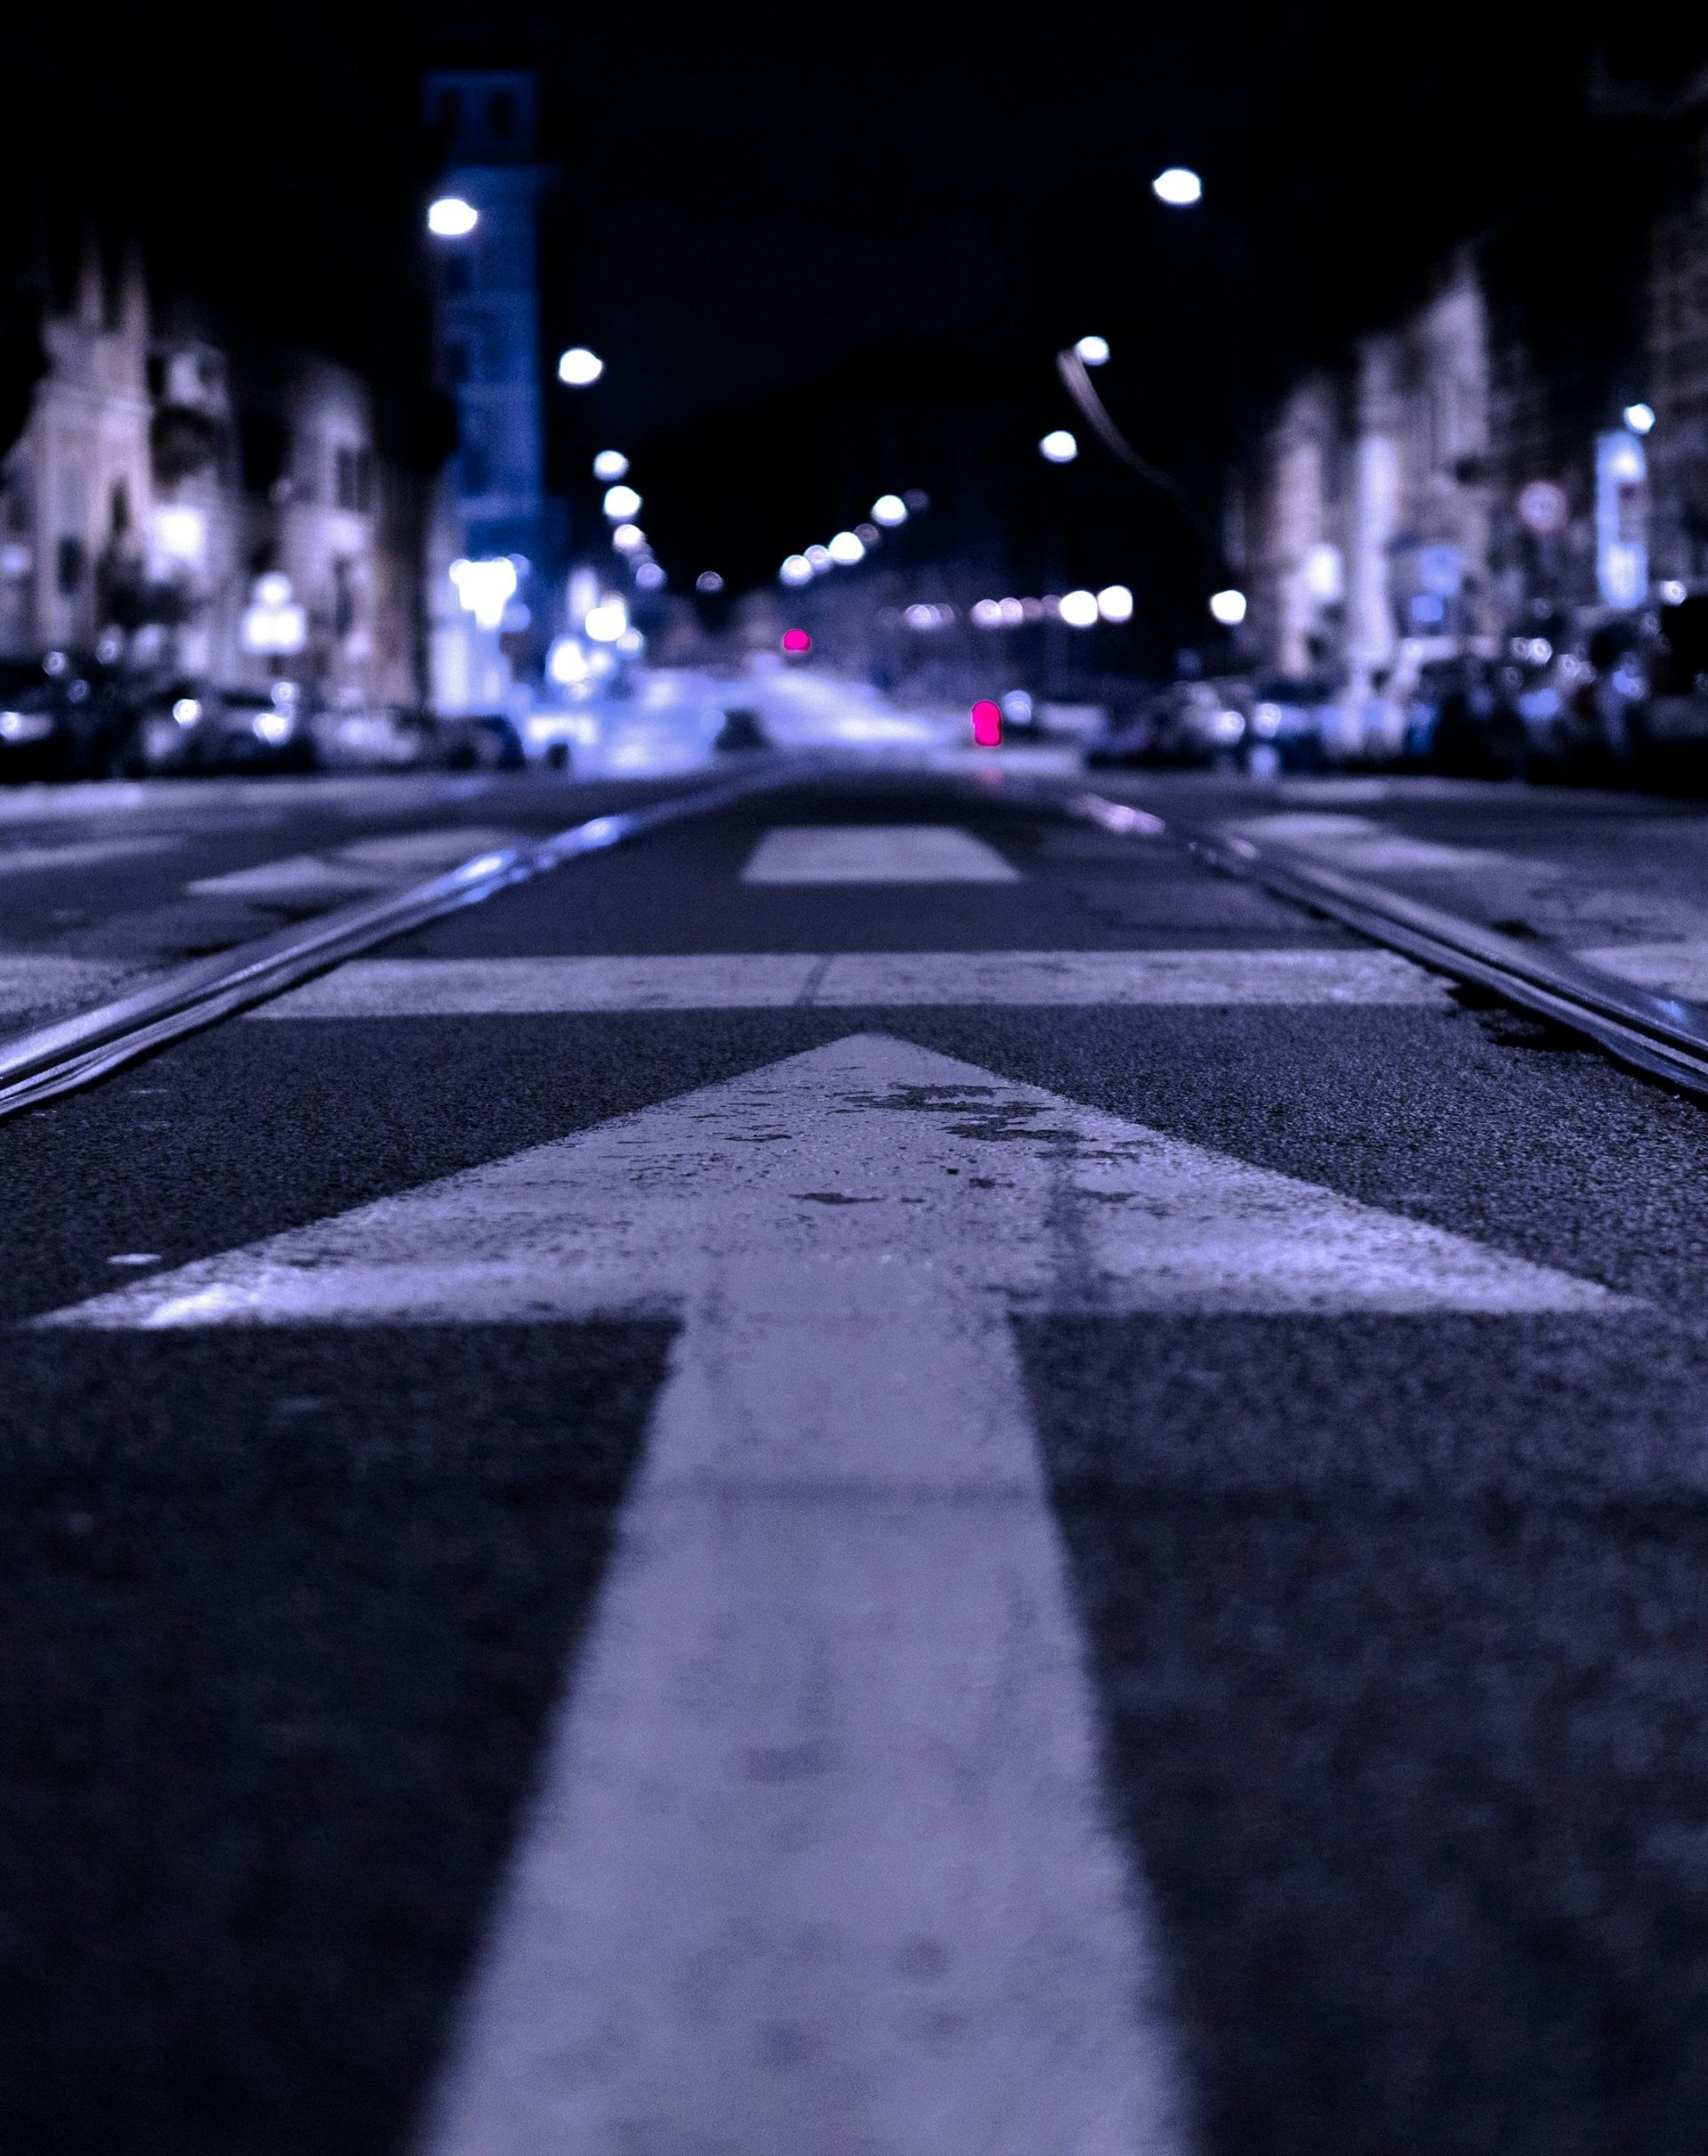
(1077, 383)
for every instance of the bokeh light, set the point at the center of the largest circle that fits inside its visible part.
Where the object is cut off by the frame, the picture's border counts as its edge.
(451, 217)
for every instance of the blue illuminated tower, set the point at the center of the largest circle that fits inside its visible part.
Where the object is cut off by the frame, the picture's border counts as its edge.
(487, 313)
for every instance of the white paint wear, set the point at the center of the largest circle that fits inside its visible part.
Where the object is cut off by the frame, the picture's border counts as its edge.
(1677, 968)
(84, 853)
(875, 854)
(33, 982)
(442, 988)
(817, 1863)
(371, 864)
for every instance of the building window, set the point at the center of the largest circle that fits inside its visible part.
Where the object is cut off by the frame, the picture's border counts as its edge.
(70, 567)
(343, 599)
(353, 480)
(262, 445)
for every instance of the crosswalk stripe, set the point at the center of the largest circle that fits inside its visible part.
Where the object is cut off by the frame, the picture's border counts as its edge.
(875, 854)
(84, 853)
(1680, 966)
(372, 864)
(42, 983)
(440, 987)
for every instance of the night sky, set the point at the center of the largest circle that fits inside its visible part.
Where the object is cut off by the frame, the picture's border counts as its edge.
(831, 252)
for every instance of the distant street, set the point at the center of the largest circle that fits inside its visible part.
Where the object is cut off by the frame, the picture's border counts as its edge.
(886, 1471)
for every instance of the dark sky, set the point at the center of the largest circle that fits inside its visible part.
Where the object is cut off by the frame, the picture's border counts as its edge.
(817, 245)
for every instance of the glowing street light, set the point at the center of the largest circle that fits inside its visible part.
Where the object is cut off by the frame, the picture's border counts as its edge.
(621, 503)
(818, 559)
(1180, 187)
(610, 464)
(650, 576)
(485, 588)
(796, 571)
(1079, 609)
(628, 538)
(846, 549)
(1639, 417)
(1093, 352)
(1227, 607)
(1115, 602)
(452, 218)
(608, 623)
(889, 509)
(1058, 447)
(578, 366)
(708, 583)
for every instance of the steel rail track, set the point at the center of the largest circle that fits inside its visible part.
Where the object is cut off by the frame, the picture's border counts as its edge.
(49, 1060)
(1665, 1037)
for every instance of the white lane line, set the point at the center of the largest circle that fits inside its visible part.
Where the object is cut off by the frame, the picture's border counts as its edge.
(817, 1859)
(441, 987)
(82, 853)
(370, 864)
(1355, 843)
(1681, 967)
(875, 854)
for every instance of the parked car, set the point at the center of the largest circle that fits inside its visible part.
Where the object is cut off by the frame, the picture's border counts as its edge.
(185, 726)
(481, 741)
(1292, 718)
(63, 716)
(1673, 720)
(371, 737)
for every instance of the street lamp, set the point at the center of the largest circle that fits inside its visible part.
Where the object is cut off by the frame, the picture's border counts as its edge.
(578, 366)
(889, 509)
(1058, 448)
(1093, 352)
(846, 549)
(1227, 607)
(1639, 417)
(796, 571)
(1180, 187)
(620, 504)
(610, 464)
(451, 218)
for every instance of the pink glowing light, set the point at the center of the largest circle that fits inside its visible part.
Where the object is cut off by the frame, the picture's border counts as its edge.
(987, 724)
(796, 640)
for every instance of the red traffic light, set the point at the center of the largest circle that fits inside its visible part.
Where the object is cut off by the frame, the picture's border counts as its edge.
(987, 724)
(796, 640)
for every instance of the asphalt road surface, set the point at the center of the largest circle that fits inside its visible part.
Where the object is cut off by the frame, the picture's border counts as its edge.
(884, 1475)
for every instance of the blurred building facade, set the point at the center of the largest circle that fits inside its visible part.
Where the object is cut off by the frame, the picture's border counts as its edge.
(184, 497)
(1523, 455)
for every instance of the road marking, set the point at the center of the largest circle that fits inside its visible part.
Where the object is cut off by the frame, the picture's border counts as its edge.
(1681, 967)
(1354, 842)
(441, 987)
(41, 982)
(370, 864)
(84, 853)
(818, 1857)
(875, 854)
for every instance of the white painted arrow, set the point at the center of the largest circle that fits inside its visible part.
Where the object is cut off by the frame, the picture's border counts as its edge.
(817, 1864)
